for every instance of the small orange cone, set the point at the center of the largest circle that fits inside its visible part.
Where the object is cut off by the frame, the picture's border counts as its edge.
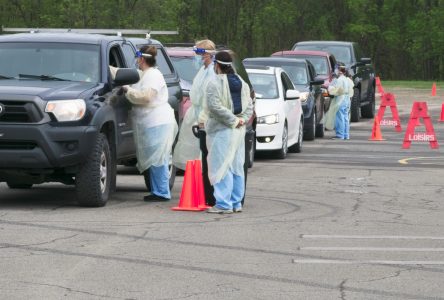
(188, 201)
(198, 181)
(376, 131)
(442, 113)
(434, 89)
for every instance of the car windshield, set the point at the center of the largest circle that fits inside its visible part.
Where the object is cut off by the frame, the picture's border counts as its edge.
(185, 66)
(264, 85)
(320, 63)
(296, 71)
(74, 62)
(341, 53)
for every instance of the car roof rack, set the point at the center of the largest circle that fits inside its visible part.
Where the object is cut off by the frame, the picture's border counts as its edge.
(118, 32)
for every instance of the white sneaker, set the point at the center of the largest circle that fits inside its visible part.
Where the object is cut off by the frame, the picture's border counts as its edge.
(237, 209)
(217, 210)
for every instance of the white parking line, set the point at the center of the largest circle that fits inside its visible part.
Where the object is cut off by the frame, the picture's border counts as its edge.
(388, 249)
(382, 237)
(366, 262)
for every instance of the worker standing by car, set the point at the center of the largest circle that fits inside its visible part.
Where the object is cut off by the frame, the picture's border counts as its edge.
(229, 107)
(154, 123)
(187, 147)
(341, 88)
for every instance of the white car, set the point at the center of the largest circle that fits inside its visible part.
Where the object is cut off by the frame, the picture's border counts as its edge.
(280, 118)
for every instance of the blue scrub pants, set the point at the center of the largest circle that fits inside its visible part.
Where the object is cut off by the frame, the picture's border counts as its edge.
(342, 121)
(160, 180)
(229, 191)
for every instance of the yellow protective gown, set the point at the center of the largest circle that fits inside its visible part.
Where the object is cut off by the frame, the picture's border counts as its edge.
(187, 147)
(153, 120)
(336, 89)
(225, 142)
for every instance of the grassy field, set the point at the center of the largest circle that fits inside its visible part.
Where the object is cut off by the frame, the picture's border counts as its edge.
(412, 84)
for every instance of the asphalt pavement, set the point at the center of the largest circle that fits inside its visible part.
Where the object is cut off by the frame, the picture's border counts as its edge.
(354, 219)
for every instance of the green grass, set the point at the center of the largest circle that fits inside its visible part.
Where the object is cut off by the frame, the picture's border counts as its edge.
(414, 84)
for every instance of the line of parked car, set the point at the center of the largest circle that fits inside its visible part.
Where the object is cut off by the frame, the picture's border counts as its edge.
(290, 88)
(62, 118)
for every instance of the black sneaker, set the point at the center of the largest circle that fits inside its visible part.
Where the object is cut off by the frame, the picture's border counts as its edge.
(155, 198)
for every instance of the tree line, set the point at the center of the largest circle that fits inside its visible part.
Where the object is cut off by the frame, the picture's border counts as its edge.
(404, 38)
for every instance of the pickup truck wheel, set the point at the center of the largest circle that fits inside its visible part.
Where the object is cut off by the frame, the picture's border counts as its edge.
(93, 181)
(172, 170)
(368, 111)
(355, 106)
(13, 185)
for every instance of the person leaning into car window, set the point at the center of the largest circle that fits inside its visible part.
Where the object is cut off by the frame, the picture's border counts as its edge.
(187, 147)
(229, 107)
(153, 122)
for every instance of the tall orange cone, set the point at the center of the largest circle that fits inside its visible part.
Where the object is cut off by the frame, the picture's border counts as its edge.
(188, 200)
(376, 131)
(434, 89)
(198, 181)
(442, 113)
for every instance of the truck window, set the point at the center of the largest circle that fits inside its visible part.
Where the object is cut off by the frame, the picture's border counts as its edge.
(115, 58)
(130, 55)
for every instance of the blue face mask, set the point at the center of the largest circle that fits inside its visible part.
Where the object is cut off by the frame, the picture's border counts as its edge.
(198, 61)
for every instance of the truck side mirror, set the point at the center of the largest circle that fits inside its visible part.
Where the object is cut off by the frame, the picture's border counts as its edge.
(126, 76)
(366, 60)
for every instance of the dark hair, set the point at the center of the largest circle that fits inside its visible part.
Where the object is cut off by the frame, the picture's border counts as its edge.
(224, 56)
(150, 61)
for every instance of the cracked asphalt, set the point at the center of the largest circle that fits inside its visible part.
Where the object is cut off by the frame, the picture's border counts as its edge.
(353, 219)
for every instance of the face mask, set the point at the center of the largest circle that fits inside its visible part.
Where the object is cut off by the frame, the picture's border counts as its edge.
(197, 61)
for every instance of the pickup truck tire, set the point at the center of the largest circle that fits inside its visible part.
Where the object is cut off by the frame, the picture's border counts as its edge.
(93, 181)
(355, 106)
(13, 185)
(172, 169)
(320, 130)
(368, 111)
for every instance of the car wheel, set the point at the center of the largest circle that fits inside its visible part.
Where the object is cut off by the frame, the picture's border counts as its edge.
(297, 148)
(172, 170)
(282, 153)
(311, 132)
(13, 185)
(94, 180)
(368, 111)
(355, 106)
(252, 152)
(320, 130)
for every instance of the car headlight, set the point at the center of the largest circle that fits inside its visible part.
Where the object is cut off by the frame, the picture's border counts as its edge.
(270, 119)
(67, 110)
(303, 96)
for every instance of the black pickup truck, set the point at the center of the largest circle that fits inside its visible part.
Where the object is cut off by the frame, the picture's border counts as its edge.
(360, 68)
(62, 118)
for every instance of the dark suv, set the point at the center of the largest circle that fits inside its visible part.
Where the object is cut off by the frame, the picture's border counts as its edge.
(360, 68)
(57, 122)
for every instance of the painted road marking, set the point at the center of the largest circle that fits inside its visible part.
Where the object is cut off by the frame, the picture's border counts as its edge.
(382, 237)
(405, 161)
(366, 262)
(388, 249)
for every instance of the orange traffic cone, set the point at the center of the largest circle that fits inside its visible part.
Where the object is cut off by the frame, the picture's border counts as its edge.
(188, 201)
(434, 89)
(376, 131)
(198, 181)
(442, 113)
